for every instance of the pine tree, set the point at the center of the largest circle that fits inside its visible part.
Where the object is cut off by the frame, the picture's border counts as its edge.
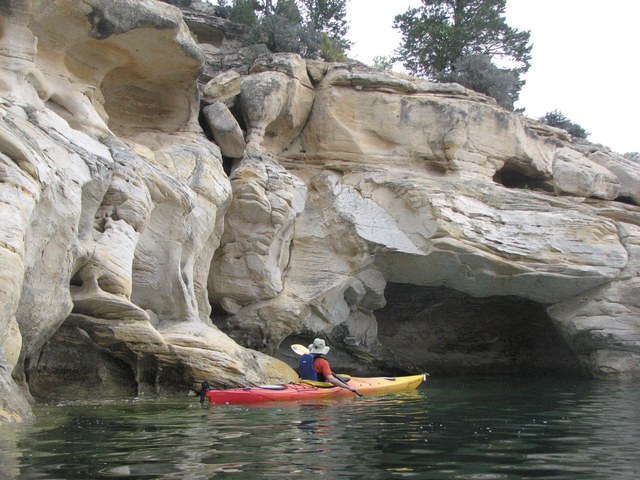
(307, 27)
(442, 35)
(328, 17)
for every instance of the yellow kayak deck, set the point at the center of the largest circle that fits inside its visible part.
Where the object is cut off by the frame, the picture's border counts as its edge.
(376, 385)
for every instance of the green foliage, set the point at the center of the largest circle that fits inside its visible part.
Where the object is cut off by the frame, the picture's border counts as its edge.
(635, 156)
(244, 11)
(331, 51)
(284, 8)
(307, 27)
(222, 9)
(383, 63)
(328, 17)
(439, 35)
(556, 119)
(478, 73)
(281, 29)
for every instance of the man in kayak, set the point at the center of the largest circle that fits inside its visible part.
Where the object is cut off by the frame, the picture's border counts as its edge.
(313, 366)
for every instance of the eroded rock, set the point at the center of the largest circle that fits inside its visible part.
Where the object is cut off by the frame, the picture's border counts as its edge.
(251, 264)
(129, 258)
(276, 102)
(225, 130)
(106, 242)
(574, 174)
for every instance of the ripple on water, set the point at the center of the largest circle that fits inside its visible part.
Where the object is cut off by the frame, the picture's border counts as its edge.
(471, 428)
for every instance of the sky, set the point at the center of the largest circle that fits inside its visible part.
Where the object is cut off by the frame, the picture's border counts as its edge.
(586, 60)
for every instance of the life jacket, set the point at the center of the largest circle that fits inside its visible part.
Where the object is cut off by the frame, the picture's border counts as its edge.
(305, 368)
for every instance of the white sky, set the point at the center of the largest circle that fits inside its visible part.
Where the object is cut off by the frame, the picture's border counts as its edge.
(586, 60)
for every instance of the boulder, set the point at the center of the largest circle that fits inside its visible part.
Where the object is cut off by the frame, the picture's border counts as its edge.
(224, 87)
(276, 103)
(627, 173)
(225, 130)
(575, 174)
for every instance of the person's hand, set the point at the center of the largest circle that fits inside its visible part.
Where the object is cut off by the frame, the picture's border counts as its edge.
(355, 390)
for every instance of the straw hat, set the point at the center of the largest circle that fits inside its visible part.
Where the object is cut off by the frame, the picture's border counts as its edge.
(318, 347)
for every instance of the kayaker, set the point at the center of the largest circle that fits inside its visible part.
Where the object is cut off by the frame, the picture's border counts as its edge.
(313, 366)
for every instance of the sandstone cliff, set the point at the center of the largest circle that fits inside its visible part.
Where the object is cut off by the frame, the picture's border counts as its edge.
(174, 211)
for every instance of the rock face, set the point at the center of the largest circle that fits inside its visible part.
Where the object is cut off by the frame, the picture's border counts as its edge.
(112, 206)
(416, 226)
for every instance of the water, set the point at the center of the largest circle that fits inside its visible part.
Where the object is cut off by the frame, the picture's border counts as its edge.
(475, 428)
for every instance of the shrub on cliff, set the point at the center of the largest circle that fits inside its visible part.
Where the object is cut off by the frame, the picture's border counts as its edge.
(556, 119)
(307, 27)
(281, 29)
(382, 62)
(478, 73)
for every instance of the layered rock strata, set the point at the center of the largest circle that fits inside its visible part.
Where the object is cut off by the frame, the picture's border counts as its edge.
(171, 213)
(113, 205)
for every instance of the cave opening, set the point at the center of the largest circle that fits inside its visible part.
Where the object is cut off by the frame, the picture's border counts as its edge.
(76, 280)
(71, 366)
(219, 317)
(446, 332)
(512, 177)
(627, 200)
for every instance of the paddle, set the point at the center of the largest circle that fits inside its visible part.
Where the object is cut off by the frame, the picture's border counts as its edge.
(299, 349)
(302, 350)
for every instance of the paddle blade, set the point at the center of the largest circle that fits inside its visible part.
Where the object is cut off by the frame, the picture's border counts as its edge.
(299, 349)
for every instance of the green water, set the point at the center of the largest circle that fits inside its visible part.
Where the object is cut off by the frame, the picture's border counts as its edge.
(475, 428)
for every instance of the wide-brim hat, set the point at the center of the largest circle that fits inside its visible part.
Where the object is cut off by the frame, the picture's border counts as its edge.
(319, 347)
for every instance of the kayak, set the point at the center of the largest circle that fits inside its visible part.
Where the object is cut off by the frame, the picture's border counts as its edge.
(304, 391)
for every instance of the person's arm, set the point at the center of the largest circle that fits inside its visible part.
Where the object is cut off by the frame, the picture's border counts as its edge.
(324, 368)
(338, 383)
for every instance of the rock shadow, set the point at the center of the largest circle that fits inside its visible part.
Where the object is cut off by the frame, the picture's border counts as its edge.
(446, 332)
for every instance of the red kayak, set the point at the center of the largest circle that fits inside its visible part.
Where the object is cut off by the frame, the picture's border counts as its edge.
(304, 391)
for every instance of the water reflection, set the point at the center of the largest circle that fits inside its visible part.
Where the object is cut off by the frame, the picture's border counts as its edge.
(464, 428)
